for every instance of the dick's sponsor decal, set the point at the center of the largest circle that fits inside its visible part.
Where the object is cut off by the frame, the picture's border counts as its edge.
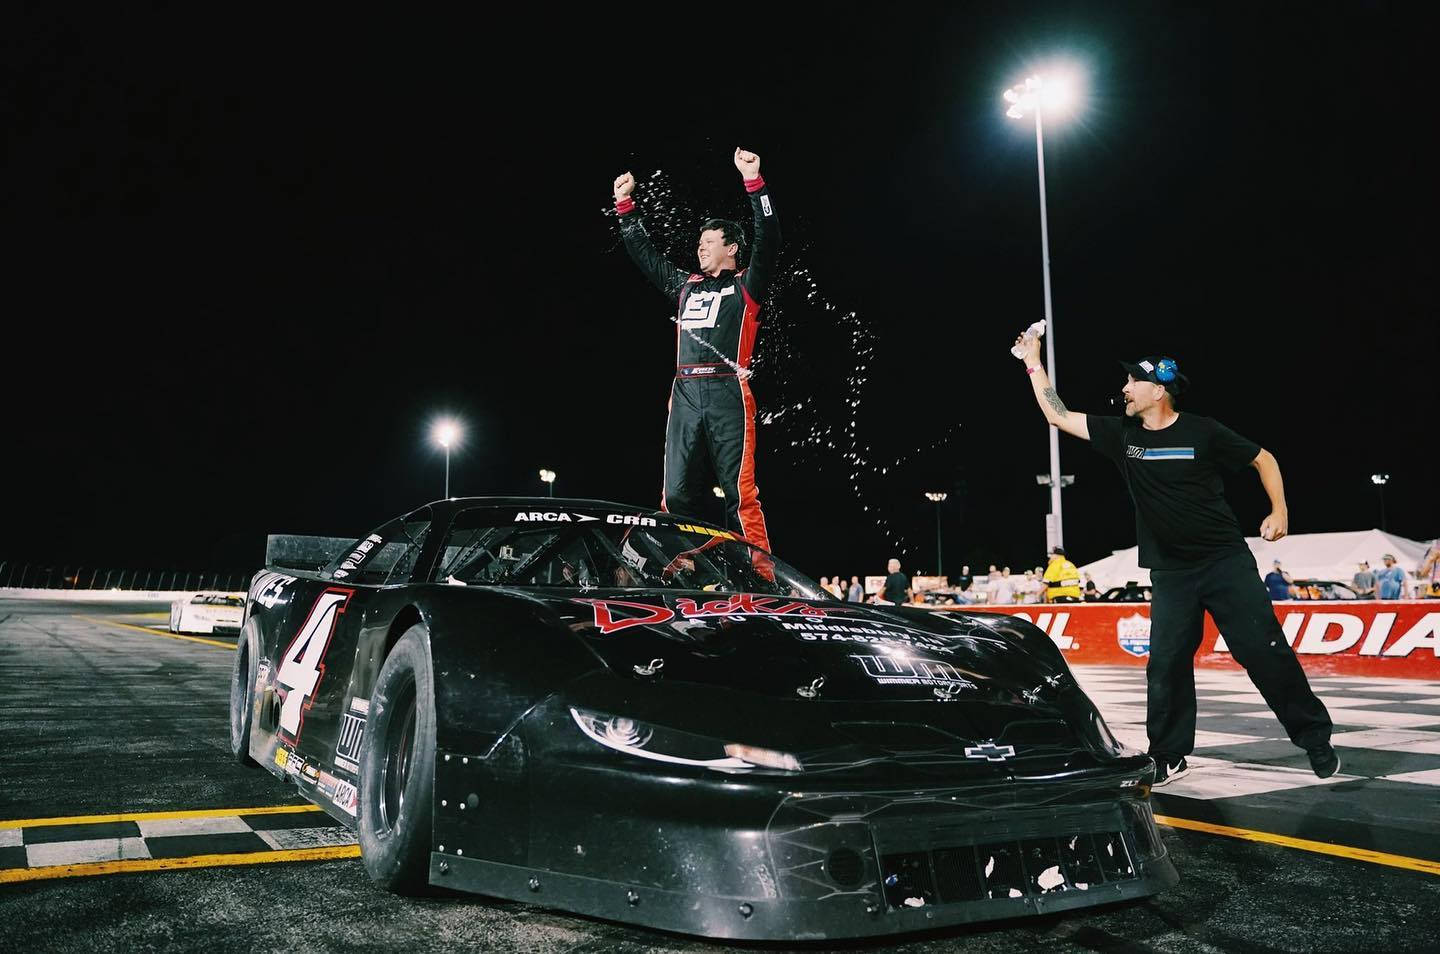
(612, 616)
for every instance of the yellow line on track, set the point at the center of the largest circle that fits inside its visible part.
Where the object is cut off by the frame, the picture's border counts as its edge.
(159, 632)
(173, 864)
(1304, 844)
(155, 816)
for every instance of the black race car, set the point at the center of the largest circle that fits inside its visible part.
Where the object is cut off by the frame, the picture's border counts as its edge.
(635, 716)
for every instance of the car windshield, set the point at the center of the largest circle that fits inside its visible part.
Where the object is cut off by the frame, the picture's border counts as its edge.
(594, 555)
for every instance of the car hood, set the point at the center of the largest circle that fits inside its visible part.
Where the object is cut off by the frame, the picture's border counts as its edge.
(847, 688)
(791, 649)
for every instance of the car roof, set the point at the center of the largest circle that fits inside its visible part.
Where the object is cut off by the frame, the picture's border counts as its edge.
(451, 505)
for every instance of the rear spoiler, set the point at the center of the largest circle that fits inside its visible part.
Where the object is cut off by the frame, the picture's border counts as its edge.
(290, 551)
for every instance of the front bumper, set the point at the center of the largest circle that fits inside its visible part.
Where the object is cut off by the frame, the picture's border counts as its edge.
(746, 859)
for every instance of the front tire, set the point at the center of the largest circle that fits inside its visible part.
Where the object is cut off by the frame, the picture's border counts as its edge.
(397, 769)
(243, 677)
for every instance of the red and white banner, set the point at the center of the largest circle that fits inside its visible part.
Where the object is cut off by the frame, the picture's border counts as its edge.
(1350, 638)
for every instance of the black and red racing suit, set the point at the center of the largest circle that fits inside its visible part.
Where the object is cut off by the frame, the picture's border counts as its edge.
(711, 431)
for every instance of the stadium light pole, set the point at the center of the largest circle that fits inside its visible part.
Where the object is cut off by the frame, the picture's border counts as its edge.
(1028, 98)
(937, 498)
(549, 477)
(1380, 480)
(446, 433)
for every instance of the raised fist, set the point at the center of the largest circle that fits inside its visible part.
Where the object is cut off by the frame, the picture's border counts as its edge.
(748, 163)
(624, 185)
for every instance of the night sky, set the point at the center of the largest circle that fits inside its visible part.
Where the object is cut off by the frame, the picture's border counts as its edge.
(251, 259)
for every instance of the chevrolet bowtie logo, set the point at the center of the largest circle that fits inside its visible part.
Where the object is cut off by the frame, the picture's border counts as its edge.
(990, 752)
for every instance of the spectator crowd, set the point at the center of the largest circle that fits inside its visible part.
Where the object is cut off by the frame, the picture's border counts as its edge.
(1389, 582)
(1061, 582)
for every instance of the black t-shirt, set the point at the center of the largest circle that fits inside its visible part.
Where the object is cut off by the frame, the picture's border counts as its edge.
(895, 586)
(1175, 478)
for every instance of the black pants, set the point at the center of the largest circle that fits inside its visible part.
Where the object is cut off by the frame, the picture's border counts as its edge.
(1231, 589)
(709, 441)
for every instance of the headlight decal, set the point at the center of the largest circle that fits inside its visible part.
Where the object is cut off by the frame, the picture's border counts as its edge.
(675, 747)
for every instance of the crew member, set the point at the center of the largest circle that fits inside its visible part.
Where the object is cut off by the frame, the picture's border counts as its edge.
(1198, 559)
(1062, 579)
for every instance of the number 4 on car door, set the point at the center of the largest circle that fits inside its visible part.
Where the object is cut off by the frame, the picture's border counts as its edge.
(302, 666)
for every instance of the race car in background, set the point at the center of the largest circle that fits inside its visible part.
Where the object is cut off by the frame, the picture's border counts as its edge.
(1322, 590)
(636, 716)
(208, 613)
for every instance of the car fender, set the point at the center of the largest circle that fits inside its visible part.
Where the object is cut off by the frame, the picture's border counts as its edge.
(496, 654)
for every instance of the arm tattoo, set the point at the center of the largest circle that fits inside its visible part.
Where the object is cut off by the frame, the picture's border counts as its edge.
(1055, 403)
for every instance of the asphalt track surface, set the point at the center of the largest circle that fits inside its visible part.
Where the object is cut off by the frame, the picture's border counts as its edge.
(99, 718)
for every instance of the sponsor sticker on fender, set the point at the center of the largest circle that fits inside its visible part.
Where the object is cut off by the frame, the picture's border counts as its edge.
(352, 733)
(269, 588)
(340, 792)
(893, 671)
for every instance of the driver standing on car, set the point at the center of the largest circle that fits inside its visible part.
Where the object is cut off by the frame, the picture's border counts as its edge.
(1198, 559)
(712, 410)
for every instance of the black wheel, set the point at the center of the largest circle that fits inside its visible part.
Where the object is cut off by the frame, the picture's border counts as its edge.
(242, 700)
(397, 769)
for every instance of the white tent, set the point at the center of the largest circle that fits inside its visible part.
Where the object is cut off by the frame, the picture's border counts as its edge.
(1313, 556)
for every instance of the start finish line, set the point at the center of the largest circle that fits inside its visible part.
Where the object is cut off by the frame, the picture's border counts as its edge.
(1398, 638)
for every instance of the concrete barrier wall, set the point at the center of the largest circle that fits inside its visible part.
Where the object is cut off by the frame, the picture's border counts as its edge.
(1332, 638)
(99, 596)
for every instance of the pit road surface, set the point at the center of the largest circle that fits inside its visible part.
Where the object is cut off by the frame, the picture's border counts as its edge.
(101, 716)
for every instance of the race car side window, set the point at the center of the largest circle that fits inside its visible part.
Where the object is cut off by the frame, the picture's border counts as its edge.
(377, 568)
(413, 531)
(478, 549)
(372, 559)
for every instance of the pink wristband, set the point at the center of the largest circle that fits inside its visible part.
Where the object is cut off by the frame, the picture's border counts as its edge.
(1032, 370)
(755, 184)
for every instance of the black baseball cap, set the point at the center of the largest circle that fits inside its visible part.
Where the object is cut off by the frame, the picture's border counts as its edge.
(1057, 551)
(1158, 369)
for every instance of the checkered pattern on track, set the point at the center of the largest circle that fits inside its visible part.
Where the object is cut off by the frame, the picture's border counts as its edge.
(42, 846)
(1386, 730)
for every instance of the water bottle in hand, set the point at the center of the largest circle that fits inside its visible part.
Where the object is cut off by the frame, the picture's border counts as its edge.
(1031, 333)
